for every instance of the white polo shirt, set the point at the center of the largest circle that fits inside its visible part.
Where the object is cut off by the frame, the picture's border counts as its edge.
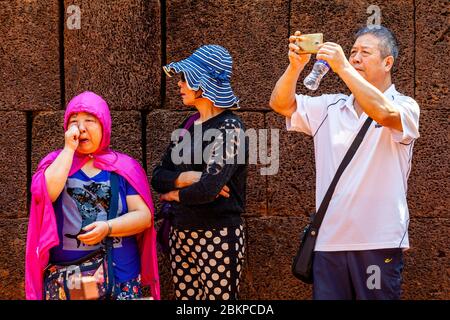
(368, 209)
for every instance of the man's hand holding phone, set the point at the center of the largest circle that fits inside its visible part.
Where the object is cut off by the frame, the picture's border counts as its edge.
(308, 43)
(297, 58)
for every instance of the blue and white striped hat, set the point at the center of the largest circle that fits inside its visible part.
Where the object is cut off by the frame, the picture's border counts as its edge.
(208, 68)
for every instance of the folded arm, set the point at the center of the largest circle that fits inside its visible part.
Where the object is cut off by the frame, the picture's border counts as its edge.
(224, 157)
(282, 99)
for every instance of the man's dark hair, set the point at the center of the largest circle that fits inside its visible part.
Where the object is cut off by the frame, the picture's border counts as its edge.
(388, 42)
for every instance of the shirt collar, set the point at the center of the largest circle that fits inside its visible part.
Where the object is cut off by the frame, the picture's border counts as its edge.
(389, 93)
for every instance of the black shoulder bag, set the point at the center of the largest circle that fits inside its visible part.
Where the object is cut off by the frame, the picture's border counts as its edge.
(303, 260)
(88, 278)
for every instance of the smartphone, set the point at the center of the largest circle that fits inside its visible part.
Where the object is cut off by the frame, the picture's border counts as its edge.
(309, 43)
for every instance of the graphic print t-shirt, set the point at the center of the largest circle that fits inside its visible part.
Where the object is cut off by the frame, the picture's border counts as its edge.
(83, 201)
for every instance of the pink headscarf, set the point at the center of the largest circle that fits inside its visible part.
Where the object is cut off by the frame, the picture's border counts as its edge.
(42, 229)
(91, 103)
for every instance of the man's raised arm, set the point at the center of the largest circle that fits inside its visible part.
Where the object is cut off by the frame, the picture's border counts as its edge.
(282, 99)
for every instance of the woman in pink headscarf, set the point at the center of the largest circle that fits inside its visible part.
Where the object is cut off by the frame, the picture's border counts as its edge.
(70, 199)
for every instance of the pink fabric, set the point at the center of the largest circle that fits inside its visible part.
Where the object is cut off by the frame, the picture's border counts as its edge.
(42, 229)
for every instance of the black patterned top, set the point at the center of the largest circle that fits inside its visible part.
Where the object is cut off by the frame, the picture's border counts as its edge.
(219, 149)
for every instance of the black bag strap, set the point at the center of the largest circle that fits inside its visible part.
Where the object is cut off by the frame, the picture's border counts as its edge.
(318, 217)
(112, 213)
(114, 202)
(189, 122)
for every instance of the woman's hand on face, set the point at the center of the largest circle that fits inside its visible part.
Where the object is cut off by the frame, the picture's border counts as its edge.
(71, 138)
(97, 231)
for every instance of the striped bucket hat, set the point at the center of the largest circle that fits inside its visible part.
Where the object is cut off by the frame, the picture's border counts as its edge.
(208, 68)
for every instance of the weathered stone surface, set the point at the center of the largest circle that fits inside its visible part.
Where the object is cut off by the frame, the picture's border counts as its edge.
(256, 182)
(48, 134)
(338, 20)
(291, 192)
(116, 52)
(429, 178)
(432, 51)
(160, 125)
(29, 64)
(13, 236)
(13, 168)
(426, 273)
(271, 244)
(254, 32)
(126, 134)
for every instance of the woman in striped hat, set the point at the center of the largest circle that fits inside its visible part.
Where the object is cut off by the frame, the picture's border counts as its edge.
(202, 179)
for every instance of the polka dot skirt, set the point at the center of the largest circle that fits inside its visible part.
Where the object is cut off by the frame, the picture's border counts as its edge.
(207, 264)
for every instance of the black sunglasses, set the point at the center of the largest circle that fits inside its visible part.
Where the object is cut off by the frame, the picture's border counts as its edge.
(182, 77)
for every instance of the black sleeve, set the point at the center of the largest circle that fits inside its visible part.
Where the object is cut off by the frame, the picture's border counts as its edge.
(226, 153)
(165, 174)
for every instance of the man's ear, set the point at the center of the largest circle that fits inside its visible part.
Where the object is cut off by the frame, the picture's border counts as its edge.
(388, 63)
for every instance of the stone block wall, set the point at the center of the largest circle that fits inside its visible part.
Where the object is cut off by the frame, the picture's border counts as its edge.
(118, 52)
